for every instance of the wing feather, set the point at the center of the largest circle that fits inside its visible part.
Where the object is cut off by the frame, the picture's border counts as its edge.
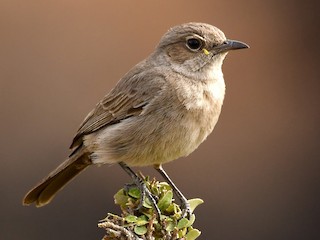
(126, 100)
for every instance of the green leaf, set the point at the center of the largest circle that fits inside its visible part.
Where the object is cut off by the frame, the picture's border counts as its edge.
(140, 230)
(194, 203)
(177, 211)
(146, 203)
(165, 201)
(164, 186)
(182, 232)
(183, 222)
(171, 208)
(170, 226)
(191, 220)
(142, 220)
(131, 219)
(193, 234)
(120, 198)
(134, 192)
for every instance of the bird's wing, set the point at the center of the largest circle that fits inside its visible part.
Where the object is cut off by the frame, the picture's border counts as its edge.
(126, 100)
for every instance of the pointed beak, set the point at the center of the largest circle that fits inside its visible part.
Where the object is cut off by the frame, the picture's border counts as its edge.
(230, 45)
(234, 44)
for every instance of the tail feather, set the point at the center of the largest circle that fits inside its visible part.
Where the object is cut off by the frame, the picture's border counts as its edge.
(44, 192)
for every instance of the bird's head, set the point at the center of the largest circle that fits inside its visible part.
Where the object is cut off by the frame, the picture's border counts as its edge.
(194, 49)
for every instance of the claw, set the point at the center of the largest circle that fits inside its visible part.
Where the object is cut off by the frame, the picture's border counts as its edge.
(186, 211)
(127, 188)
(144, 191)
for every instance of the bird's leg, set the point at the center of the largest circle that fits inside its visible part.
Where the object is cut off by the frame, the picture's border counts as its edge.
(142, 187)
(186, 212)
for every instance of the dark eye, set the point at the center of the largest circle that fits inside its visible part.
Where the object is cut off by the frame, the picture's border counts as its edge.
(194, 44)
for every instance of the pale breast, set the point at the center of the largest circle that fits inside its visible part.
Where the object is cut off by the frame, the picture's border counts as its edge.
(202, 101)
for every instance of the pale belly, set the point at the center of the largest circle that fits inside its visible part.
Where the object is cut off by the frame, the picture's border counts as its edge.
(144, 141)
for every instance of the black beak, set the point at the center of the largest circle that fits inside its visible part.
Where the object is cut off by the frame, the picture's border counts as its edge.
(230, 45)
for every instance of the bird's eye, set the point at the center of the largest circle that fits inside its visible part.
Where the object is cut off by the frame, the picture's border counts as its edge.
(194, 44)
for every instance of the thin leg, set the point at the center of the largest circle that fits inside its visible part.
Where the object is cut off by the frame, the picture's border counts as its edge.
(184, 202)
(142, 186)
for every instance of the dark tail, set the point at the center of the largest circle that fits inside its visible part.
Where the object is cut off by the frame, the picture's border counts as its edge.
(44, 192)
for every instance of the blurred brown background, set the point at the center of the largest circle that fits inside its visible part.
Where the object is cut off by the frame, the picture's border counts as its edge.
(258, 172)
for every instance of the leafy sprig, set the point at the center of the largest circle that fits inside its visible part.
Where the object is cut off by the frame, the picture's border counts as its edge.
(142, 223)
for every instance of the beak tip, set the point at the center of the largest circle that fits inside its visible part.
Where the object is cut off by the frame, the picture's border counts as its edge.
(246, 45)
(238, 45)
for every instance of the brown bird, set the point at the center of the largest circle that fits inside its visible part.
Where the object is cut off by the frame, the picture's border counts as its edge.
(161, 110)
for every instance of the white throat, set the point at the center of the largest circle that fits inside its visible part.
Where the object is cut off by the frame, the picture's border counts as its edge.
(202, 68)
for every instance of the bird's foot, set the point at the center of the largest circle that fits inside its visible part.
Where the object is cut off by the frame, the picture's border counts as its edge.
(186, 210)
(144, 192)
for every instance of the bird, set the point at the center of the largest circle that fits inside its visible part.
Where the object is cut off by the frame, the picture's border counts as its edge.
(159, 111)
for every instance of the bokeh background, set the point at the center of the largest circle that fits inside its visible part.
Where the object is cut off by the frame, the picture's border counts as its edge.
(258, 172)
